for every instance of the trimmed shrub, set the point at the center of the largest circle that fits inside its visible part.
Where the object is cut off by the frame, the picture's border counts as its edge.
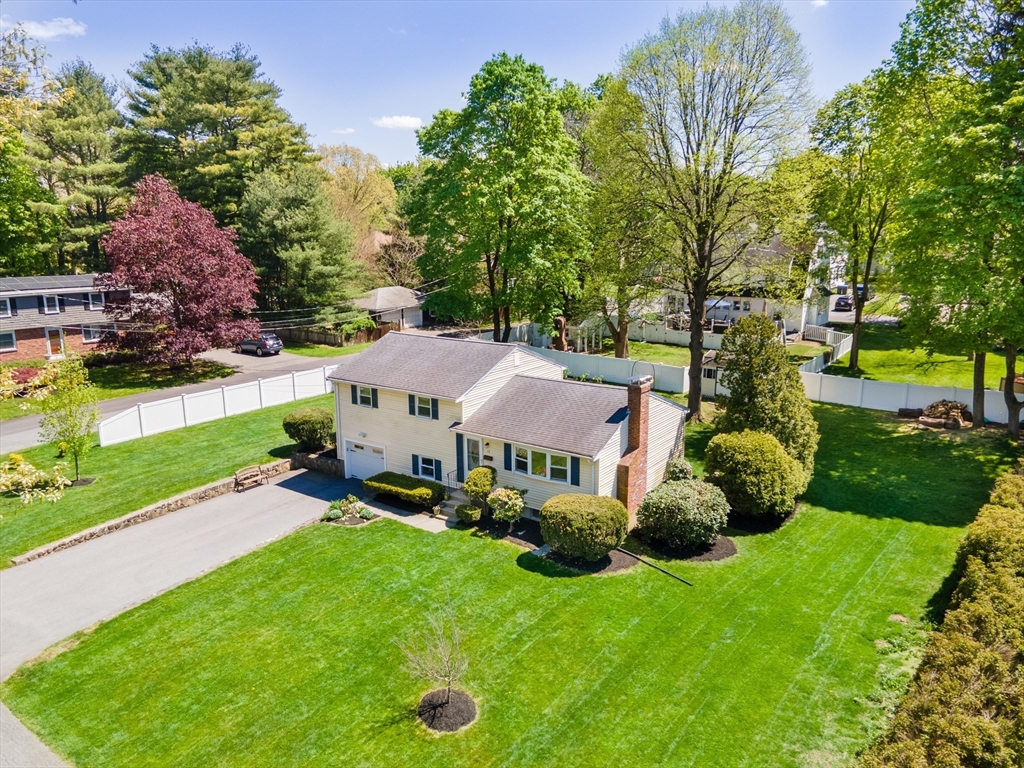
(756, 474)
(1009, 490)
(965, 706)
(583, 526)
(683, 513)
(468, 514)
(678, 468)
(415, 490)
(506, 505)
(312, 428)
(479, 483)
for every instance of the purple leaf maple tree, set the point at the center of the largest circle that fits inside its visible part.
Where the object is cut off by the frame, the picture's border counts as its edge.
(189, 288)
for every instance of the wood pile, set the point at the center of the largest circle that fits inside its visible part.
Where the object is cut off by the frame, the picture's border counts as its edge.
(945, 414)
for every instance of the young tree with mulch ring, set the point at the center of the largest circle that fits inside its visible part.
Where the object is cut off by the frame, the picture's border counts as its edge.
(70, 414)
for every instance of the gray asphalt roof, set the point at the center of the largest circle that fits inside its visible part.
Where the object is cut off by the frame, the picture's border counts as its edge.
(426, 365)
(45, 282)
(557, 414)
(389, 297)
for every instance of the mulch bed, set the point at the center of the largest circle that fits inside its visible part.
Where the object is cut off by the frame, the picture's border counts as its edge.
(610, 563)
(450, 717)
(758, 523)
(83, 481)
(525, 533)
(720, 549)
(351, 521)
(402, 504)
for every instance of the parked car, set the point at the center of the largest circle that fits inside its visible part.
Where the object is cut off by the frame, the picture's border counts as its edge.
(266, 344)
(844, 304)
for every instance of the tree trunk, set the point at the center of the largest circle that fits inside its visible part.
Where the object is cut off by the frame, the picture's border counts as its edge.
(1013, 405)
(448, 698)
(621, 339)
(855, 342)
(496, 321)
(978, 407)
(558, 341)
(508, 325)
(77, 475)
(696, 297)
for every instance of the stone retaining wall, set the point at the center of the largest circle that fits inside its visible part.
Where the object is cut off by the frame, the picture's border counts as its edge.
(188, 499)
(318, 463)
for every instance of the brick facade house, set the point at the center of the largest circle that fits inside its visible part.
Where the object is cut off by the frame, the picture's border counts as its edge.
(42, 318)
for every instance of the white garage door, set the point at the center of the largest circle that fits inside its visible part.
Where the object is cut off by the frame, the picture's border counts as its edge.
(363, 460)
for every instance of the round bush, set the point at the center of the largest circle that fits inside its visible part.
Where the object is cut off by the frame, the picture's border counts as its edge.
(678, 469)
(583, 526)
(506, 505)
(311, 428)
(480, 482)
(468, 514)
(756, 474)
(683, 513)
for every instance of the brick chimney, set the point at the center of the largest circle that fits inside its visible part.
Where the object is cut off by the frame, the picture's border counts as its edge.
(631, 473)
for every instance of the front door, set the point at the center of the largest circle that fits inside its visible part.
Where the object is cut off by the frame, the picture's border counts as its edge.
(472, 453)
(54, 342)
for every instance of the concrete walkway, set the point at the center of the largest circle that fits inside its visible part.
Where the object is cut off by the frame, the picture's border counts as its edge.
(22, 433)
(46, 600)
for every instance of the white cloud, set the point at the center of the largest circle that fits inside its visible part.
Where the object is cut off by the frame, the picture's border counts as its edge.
(344, 131)
(53, 29)
(819, 3)
(402, 122)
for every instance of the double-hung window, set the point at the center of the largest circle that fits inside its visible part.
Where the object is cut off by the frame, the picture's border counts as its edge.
(427, 468)
(5, 307)
(93, 333)
(550, 466)
(366, 397)
(95, 301)
(7, 342)
(51, 305)
(423, 409)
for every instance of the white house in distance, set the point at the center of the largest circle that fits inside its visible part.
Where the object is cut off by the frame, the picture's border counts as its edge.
(437, 407)
(813, 310)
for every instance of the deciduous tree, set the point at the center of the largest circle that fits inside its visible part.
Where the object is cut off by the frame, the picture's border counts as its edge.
(722, 93)
(362, 194)
(25, 229)
(190, 288)
(502, 208)
(70, 414)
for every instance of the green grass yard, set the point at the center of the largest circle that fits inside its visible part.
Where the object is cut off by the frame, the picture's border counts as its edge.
(285, 657)
(129, 379)
(323, 350)
(669, 354)
(887, 354)
(132, 475)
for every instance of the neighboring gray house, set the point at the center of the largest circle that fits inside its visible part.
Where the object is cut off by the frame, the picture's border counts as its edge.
(438, 407)
(44, 317)
(394, 304)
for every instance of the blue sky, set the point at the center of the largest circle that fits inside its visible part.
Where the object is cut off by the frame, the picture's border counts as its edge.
(348, 69)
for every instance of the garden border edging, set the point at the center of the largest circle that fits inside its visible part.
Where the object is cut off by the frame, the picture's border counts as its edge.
(159, 509)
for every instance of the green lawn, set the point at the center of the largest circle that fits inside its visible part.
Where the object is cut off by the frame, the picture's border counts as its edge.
(887, 354)
(134, 474)
(130, 379)
(285, 657)
(801, 353)
(669, 354)
(323, 350)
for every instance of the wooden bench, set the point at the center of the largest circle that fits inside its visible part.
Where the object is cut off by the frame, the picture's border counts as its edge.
(247, 477)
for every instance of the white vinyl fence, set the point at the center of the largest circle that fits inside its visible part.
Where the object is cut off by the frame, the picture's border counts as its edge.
(841, 344)
(615, 370)
(198, 407)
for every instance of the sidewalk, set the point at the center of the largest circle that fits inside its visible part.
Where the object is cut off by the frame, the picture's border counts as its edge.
(19, 434)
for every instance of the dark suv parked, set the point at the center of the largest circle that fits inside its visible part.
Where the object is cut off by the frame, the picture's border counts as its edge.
(266, 344)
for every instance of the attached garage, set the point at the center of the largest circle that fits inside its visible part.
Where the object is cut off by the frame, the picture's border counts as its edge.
(363, 460)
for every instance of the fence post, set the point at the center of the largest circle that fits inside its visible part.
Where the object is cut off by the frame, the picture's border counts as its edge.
(224, 400)
(259, 387)
(142, 420)
(295, 391)
(184, 409)
(821, 383)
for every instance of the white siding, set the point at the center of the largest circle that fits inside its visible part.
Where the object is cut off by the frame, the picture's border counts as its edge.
(390, 425)
(665, 427)
(528, 365)
(538, 489)
(608, 461)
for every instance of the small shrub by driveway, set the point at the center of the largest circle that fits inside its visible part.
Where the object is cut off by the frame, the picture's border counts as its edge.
(415, 490)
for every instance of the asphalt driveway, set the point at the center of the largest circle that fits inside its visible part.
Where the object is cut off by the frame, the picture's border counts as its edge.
(45, 600)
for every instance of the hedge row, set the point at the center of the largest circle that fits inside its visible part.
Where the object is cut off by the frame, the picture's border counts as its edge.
(415, 490)
(965, 706)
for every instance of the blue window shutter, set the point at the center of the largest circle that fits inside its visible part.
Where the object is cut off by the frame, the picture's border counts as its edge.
(460, 461)
(373, 398)
(415, 464)
(412, 405)
(508, 456)
(60, 304)
(433, 408)
(574, 470)
(42, 305)
(355, 394)
(437, 470)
